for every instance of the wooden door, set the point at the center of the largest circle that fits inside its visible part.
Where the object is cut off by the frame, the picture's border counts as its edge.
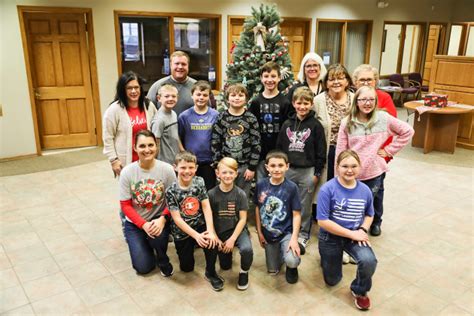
(431, 50)
(59, 65)
(295, 31)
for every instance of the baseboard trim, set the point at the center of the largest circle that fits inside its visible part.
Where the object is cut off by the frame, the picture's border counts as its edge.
(18, 157)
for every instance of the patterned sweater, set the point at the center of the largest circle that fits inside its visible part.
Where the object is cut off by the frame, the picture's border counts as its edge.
(366, 142)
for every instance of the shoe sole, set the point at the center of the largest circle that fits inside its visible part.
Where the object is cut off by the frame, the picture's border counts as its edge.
(357, 305)
(242, 288)
(167, 276)
(215, 289)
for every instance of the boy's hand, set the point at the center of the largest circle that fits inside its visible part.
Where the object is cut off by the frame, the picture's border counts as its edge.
(202, 240)
(248, 175)
(315, 180)
(361, 237)
(228, 245)
(212, 239)
(294, 247)
(262, 240)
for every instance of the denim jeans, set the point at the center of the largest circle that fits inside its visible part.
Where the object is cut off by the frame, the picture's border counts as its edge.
(185, 251)
(276, 254)
(244, 245)
(331, 161)
(142, 248)
(376, 186)
(330, 250)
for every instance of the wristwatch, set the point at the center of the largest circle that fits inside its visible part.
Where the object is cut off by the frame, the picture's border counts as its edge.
(363, 228)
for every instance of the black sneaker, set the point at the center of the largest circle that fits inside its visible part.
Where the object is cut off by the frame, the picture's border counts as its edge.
(167, 270)
(375, 230)
(243, 282)
(291, 275)
(215, 280)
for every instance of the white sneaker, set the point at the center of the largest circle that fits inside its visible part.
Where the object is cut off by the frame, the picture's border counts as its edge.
(345, 258)
(303, 241)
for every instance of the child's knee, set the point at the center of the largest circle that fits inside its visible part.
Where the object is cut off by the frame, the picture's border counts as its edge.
(292, 261)
(331, 280)
(186, 267)
(144, 269)
(367, 263)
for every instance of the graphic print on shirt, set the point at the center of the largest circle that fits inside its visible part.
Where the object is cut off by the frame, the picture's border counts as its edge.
(297, 139)
(234, 140)
(138, 120)
(272, 213)
(190, 206)
(269, 114)
(147, 193)
(350, 210)
(230, 211)
(201, 125)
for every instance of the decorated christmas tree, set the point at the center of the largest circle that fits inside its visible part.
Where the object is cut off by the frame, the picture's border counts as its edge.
(260, 42)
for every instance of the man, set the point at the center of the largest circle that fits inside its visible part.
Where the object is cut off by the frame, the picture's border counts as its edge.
(178, 78)
(367, 75)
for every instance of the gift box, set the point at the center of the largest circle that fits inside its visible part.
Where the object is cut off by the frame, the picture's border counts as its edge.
(436, 100)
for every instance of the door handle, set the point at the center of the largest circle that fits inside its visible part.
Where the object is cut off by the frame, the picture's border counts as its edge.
(37, 95)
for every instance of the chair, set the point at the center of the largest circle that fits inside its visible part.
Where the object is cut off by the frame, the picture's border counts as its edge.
(406, 86)
(417, 81)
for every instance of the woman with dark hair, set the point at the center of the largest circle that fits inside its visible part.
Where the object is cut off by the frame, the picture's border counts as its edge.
(331, 107)
(129, 113)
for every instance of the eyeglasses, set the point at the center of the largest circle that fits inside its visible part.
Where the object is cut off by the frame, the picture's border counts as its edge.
(337, 78)
(366, 100)
(366, 80)
(316, 66)
(137, 88)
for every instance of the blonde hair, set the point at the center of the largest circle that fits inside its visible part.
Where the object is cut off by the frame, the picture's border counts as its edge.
(304, 93)
(346, 154)
(179, 53)
(355, 109)
(229, 163)
(167, 87)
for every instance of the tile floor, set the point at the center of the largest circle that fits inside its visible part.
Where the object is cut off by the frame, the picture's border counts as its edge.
(62, 252)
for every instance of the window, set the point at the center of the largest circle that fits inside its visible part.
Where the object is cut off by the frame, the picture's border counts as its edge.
(461, 39)
(401, 47)
(336, 38)
(144, 44)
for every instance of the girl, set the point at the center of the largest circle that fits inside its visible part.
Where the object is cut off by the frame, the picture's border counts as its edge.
(366, 130)
(142, 199)
(344, 213)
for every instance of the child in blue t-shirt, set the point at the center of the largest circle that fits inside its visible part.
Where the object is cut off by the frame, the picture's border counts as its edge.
(344, 213)
(278, 217)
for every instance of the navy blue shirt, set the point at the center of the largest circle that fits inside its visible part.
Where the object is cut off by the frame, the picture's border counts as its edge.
(276, 204)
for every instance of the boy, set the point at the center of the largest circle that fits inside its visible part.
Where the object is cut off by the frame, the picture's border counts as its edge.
(270, 108)
(195, 131)
(165, 124)
(236, 135)
(278, 217)
(229, 209)
(302, 139)
(192, 218)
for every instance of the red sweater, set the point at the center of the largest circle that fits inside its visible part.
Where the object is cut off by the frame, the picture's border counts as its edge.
(386, 103)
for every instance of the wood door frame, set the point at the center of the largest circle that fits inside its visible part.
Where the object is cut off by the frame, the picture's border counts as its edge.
(442, 37)
(307, 21)
(170, 15)
(92, 65)
(345, 22)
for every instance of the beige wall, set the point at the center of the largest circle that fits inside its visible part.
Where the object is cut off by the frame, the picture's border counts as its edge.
(16, 127)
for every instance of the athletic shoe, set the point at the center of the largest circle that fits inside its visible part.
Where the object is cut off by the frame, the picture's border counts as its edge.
(375, 230)
(167, 270)
(243, 282)
(345, 258)
(215, 280)
(273, 273)
(291, 275)
(362, 302)
(303, 243)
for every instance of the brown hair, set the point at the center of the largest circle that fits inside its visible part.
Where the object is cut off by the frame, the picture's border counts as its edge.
(236, 88)
(146, 133)
(229, 163)
(347, 153)
(185, 156)
(304, 93)
(201, 85)
(336, 70)
(276, 154)
(268, 67)
(355, 109)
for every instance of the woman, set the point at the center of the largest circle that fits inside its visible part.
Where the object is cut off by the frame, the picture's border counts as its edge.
(331, 107)
(129, 113)
(142, 199)
(365, 130)
(344, 215)
(311, 74)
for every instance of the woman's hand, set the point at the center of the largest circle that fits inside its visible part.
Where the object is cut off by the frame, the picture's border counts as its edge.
(157, 226)
(147, 227)
(116, 167)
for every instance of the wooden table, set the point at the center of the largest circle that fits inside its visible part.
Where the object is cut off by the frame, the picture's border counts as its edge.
(436, 130)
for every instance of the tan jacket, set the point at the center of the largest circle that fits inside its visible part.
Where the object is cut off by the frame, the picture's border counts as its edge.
(117, 132)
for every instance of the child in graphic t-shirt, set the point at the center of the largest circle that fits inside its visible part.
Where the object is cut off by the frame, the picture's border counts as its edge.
(192, 223)
(278, 217)
(229, 208)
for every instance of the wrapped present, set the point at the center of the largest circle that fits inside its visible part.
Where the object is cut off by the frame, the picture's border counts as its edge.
(436, 100)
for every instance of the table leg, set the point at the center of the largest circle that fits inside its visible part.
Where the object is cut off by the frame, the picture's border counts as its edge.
(419, 124)
(445, 131)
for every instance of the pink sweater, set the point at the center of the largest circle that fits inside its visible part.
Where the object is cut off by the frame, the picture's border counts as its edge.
(366, 142)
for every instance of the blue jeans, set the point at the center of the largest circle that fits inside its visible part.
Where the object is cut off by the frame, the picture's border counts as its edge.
(142, 248)
(376, 186)
(276, 255)
(330, 250)
(244, 245)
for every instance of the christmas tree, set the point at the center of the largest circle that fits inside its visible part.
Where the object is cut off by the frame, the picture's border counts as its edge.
(260, 42)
